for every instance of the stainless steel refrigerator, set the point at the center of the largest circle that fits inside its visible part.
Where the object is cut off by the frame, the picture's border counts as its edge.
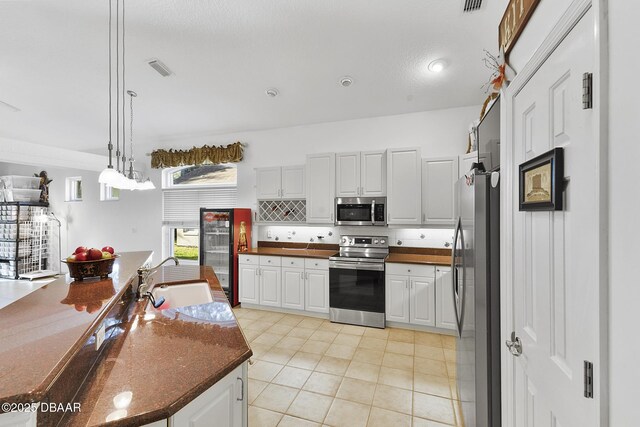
(476, 292)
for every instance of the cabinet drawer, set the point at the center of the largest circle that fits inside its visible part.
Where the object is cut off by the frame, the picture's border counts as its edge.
(292, 262)
(411, 270)
(270, 260)
(316, 263)
(249, 259)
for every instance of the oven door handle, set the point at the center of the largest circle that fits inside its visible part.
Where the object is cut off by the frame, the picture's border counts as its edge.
(357, 266)
(373, 212)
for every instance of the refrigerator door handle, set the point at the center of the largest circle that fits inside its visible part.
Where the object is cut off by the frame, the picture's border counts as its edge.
(457, 298)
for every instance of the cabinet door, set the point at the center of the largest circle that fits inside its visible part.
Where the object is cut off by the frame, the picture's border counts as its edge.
(373, 174)
(293, 182)
(268, 183)
(316, 291)
(397, 298)
(293, 288)
(270, 286)
(348, 174)
(422, 307)
(438, 182)
(404, 193)
(321, 186)
(445, 311)
(223, 402)
(248, 283)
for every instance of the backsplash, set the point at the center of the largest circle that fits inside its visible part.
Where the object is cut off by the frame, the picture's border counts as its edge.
(410, 237)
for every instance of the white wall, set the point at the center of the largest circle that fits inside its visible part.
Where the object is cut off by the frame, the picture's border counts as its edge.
(439, 133)
(129, 224)
(624, 206)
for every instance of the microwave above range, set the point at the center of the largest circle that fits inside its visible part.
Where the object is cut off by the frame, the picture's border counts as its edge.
(361, 211)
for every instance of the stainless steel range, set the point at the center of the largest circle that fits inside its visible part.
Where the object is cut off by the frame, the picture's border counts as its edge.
(356, 281)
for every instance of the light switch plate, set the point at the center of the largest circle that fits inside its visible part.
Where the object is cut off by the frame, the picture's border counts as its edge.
(100, 336)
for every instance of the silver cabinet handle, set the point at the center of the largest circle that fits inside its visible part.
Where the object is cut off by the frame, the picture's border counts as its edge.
(257, 271)
(241, 389)
(514, 345)
(301, 275)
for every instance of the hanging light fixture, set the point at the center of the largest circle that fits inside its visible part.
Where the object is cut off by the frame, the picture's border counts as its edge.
(136, 179)
(118, 178)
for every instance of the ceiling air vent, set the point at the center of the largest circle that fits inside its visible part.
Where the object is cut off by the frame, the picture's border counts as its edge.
(162, 69)
(471, 5)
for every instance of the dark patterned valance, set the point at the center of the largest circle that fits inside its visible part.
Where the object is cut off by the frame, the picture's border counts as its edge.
(206, 155)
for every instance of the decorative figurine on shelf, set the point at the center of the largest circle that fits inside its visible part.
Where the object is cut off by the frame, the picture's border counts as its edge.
(44, 186)
(242, 238)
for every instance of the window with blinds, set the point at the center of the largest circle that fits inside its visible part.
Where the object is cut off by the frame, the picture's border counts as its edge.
(181, 207)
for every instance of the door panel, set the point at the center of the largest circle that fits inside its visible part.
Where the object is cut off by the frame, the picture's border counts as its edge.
(373, 175)
(555, 256)
(348, 174)
(270, 286)
(248, 283)
(445, 314)
(321, 188)
(293, 182)
(422, 301)
(268, 183)
(397, 298)
(438, 179)
(293, 288)
(404, 173)
(316, 290)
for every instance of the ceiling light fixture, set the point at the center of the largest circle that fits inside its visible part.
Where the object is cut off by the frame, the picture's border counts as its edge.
(346, 81)
(438, 65)
(272, 92)
(136, 178)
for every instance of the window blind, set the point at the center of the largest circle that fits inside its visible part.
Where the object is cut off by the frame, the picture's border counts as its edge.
(181, 207)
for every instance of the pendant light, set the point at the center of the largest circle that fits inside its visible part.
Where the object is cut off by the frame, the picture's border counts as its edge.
(135, 177)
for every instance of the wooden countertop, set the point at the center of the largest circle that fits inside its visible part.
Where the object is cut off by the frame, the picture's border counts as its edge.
(164, 358)
(40, 333)
(402, 258)
(292, 252)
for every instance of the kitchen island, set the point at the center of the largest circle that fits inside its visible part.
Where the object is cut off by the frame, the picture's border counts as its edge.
(151, 364)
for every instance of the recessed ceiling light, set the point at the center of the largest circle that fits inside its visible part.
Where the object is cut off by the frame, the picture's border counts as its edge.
(272, 92)
(9, 107)
(346, 81)
(438, 65)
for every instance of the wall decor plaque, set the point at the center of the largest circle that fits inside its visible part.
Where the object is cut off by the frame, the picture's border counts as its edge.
(513, 21)
(542, 182)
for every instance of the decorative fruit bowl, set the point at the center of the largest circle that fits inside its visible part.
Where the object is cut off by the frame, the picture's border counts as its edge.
(80, 270)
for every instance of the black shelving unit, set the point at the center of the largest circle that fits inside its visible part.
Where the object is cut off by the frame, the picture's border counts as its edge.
(17, 240)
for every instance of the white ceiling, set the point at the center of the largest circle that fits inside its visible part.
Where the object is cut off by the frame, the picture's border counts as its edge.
(225, 53)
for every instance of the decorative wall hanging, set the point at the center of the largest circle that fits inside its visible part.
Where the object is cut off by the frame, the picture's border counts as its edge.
(542, 182)
(44, 186)
(501, 71)
(513, 21)
(206, 155)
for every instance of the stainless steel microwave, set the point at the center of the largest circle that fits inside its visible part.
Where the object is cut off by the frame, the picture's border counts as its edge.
(361, 211)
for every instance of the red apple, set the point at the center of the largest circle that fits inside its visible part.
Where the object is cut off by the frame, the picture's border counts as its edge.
(108, 249)
(81, 249)
(106, 255)
(72, 258)
(94, 254)
(82, 256)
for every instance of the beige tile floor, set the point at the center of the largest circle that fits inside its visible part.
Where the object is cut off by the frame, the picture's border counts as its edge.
(311, 372)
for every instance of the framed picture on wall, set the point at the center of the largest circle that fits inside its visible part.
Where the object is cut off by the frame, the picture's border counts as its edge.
(541, 182)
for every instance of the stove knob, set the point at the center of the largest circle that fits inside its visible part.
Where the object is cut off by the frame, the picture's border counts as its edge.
(344, 240)
(375, 242)
(382, 241)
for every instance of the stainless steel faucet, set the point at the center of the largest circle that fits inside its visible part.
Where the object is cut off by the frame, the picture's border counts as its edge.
(143, 274)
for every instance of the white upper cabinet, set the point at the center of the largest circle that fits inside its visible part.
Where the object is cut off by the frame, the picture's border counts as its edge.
(280, 183)
(268, 183)
(293, 182)
(404, 172)
(348, 174)
(373, 173)
(438, 182)
(361, 174)
(321, 186)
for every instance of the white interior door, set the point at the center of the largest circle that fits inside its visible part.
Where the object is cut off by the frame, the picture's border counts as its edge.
(555, 255)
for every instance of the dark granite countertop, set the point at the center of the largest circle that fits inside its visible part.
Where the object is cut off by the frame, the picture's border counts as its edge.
(40, 333)
(163, 359)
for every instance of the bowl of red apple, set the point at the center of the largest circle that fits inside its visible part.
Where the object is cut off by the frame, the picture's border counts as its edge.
(85, 262)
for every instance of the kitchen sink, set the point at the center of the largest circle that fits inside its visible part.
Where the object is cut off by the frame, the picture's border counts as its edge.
(183, 295)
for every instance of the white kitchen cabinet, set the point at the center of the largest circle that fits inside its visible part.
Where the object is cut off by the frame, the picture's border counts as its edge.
(248, 282)
(293, 182)
(316, 290)
(445, 314)
(404, 194)
(422, 307)
(321, 187)
(270, 286)
(438, 196)
(361, 174)
(275, 183)
(225, 402)
(397, 298)
(293, 288)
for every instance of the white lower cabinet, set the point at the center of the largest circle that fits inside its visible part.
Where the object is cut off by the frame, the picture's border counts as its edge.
(270, 286)
(316, 291)
(445, 315)
(249, 283)
(412, 295)
(224, 404)
(293, 288)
